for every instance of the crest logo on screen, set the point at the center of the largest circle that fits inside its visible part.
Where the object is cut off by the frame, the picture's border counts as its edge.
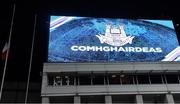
(115, 36)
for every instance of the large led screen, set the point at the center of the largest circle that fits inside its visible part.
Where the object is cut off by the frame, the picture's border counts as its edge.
(87, 39)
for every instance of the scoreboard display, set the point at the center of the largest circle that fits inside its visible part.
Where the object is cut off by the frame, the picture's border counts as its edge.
(88, 39)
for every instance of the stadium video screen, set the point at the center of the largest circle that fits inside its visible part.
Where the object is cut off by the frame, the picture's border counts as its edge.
(87, 39)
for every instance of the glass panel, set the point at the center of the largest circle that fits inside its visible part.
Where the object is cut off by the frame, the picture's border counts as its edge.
(126, 79)
(143, 79)
(154, 99)
(123, 99)
(156, 79)
(62, 99)
(172, 79)
(59, 80)
(114, 79)
(50, 80)
(98, 80)
(68, 80)
(85, 80)
(94, 99)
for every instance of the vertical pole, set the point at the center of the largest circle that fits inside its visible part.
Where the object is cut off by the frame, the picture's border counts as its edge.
(133, 80)
(120, 80)
(178, 79)
(91, 78)
(104, 79)
(30, 63)
(107, 79)
(162, 79)
(149, 78)
(7, 54)
(74, 80)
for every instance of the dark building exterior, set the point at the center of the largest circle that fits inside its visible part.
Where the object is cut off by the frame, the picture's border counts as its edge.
(141, 82)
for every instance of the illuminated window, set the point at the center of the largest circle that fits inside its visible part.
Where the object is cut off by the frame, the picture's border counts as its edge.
(60, 80)
(68, 80)
(126, 79)
(114, 79)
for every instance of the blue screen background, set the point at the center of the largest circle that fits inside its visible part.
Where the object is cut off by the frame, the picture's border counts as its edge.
(82, 30)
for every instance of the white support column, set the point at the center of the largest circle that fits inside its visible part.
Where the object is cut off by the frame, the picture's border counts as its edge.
(44, 82)
(169, 99)
(139, 99)
(45, 100)
(77, 100)
(108, 99)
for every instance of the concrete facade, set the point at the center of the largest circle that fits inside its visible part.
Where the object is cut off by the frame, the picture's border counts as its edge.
(138, 90)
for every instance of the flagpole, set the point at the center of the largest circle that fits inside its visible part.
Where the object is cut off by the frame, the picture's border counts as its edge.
(7, 54)
(30, 63)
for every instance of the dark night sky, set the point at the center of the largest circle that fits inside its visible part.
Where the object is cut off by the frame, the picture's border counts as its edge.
(18, 62)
